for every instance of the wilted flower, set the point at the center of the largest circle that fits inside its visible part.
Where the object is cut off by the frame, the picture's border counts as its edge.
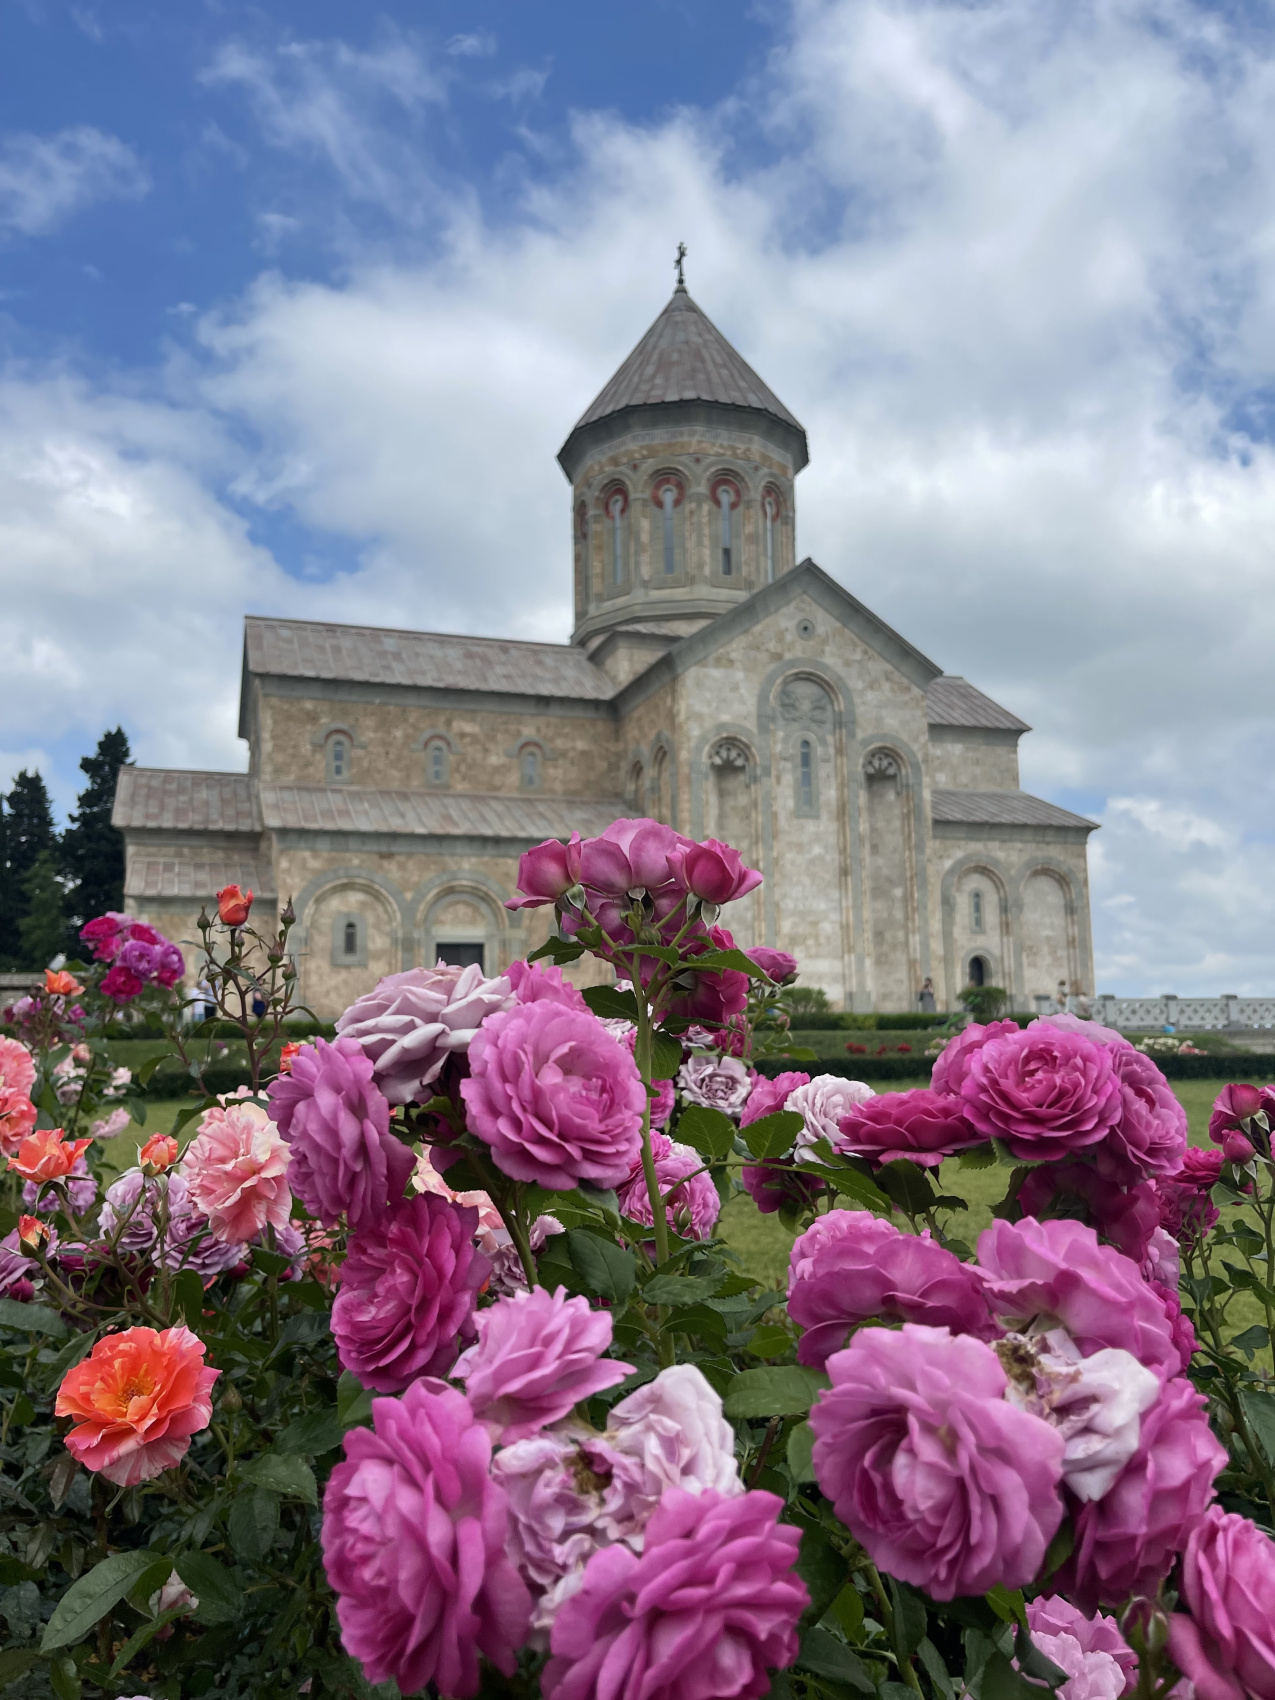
(136, 1400)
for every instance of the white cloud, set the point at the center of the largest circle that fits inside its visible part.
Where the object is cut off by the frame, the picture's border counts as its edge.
(1009, 264)
(46, 179)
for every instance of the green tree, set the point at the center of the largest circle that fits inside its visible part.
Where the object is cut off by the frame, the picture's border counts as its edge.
(42, 929)
(29, 833)
(92, 849)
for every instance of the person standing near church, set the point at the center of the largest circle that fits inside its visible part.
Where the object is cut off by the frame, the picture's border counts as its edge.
(925, 997)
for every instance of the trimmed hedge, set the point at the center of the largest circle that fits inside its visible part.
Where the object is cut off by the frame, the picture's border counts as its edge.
(844, 1021)
(1256, 1065)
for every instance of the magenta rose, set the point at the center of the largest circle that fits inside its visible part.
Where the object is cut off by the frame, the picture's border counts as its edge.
(542, 982)
(1051, 1615)
(407, 1295)
(776, 964)
(691, 1200)
(943, 1482)
(547, 873)
(538, 1354)
(345, 1160)
(713, 995)
(714, 872)
(709, 1609)
(1127, 1540)
(633, 854)
(1043, 1090)
(1236, 1104)
(1226, 1647)
(922, 1125)
(953, 1062)
(414, 1533)
(1186, 1209)
(409, 1024)
(106, 933)
(121, 984)
(768, 1097)
(1043, 1275)
(1150, 1136)
(849, 1267)
(557, 1099)
(1124, 1218)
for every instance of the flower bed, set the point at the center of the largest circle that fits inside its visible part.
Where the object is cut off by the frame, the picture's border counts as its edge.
(424, 1365)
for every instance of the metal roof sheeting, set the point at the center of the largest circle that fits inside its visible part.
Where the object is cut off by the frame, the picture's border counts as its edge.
(1001, 808)
(347, 808)
(306, 649)
(166, 799)
(197, 876)
(953, 701)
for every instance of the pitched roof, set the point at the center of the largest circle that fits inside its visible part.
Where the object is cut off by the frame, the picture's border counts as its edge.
(197, 875)
(308, 649)
(349, 808)
(169, 799)
(953, 701)
(1002, 808)
(684, 357)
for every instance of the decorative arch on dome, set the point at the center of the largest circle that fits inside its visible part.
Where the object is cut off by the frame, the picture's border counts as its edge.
(668, 530)
(726, 493)
(616, 528)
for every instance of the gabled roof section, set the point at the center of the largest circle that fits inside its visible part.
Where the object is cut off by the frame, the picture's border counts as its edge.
(953, 701)
(167, 799)
(309, 649)
(684, 357)
(1002, 808)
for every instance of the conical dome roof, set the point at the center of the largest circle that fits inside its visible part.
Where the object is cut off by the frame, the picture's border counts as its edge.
(685, 358)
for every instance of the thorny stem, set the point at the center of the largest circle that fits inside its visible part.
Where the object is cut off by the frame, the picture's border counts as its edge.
(887, 1619)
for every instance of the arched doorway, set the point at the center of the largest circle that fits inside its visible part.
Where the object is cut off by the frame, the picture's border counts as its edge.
(978, 971)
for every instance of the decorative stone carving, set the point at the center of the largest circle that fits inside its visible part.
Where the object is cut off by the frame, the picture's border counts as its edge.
(881, 765)
(804, 704)
(728, 754)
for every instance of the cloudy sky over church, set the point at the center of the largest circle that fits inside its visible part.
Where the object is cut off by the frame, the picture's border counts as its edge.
(297, 304)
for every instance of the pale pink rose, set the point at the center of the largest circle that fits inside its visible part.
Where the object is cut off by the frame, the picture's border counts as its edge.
(236, 1173)
(718, 1083)
(410, 1023)
(822, 1103)
(110, 1125)
(426, 1178)
(1090, 1675)
(675, 1431)
(1050, 1614)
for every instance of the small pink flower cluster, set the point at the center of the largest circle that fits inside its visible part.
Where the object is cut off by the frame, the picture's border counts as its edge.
(613, 1549)
(139, 956)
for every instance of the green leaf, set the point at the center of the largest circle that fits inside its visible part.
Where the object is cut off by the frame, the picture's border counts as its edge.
(353, 1402)
(801, 1464)
(907, 1185)
(909, 1618)
(707, 1131)
(823, 1655)
(773, 1136)
(786, 1390)
(188, 1297)
(1032, 1662)
(846, 1611)
(823, 1570)
(666, 1056)
(143, 1074)
(254, 1522)
(31, 1319)
(219, 1594)
(1259, 1408)
(270, 1262)
(612, 1005)
(138, 1639)
(1008, 1605)
(558, 950)
(851, 1184)
(15, 1663)
(1059, 1549)
(700, 1323)
(604, 1268)
(1254, 1339)
(64, 1679)
(979, 1157)
(680, 1289)
(714, 961)
(290, 1476)
(314, 1434)
(88, 1600)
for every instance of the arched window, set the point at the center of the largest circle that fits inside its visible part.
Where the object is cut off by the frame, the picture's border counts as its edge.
(616, 506)
(349, 941)
(338, 759)
(727, 498)
(978, 971)
(976, 911)
(806, 775)
(668, 493)
(770, 512)
(351, 937)
(529, 768)
(437, 762)
(637, 787)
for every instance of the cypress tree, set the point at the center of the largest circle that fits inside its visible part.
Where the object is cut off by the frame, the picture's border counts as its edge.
(29, 833)
(42, 929)
(92, 849)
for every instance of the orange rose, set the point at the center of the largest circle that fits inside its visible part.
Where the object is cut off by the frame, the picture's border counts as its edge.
(137, 1399)
(59, 984)
(286, 1054)
(45, 1156)
(158, 1153)
(32, 1231)
(233, 905)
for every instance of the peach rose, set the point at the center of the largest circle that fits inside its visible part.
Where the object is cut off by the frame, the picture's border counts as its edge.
(286, 1054)
(236, 1172)
(17, 1067)
(233, 905)
(59, 984)
(136, 1400)
(158, 1153)
(32, 1231)
(45, 1156)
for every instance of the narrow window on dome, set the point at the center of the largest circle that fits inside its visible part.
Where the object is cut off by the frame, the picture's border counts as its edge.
(530, 769)
(769, 507)
(437, 758)
(351, 938)
(806, 775)
(976, 911)
(338, 761)
(616, 509)
(724, 498)
(668, 500)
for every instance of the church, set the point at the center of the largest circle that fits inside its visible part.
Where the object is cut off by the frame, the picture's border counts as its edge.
(713, 681)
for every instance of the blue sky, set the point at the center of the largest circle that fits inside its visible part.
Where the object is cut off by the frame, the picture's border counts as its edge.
(298, 302)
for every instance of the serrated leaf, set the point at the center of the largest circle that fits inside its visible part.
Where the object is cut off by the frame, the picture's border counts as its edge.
(666, 1056)
(353, 1401)
(269, 1262)
(558, 950)
(219, 1594)
(283, 1474)
(1259, 1408)
(823, 1655)
(604, 1268)
(87, 1601)
(715, 961)
(188, 1297)
(801, 1465)
(783, 1390)
(907, 1185)
(700, 1323)
(254, 1522)
(31, 1319)
(611, 1005)
(774, 1135)
(978, 1157)
(707, 1131)
(314, 1434)
(680, 1289)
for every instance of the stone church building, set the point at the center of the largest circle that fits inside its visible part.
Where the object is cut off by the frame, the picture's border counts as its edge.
(713, 681)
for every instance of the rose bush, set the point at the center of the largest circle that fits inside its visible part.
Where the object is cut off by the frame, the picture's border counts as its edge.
(425, 1363)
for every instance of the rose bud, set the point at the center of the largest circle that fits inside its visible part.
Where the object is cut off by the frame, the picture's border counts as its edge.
(1237, 1149)
(32, 1231)
(233, 905)
(158, 1153)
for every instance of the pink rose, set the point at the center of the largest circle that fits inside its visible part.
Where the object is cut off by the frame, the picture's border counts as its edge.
(923, 1125)
(776, 964)
(719, 1083)
(1150, 1136)
(1186, 1209)
(943, 1482)
(120, 984)
(547, 873)
(1125, 1219)
(709, 1609)
(691, 1200)
(1235, 1104)
(1043, 1275)
(849, 1267)
(542, 982)
(17, 1119)
(538, 1354)
(414, 1533)
(953, 1062)
(674, 1430)
(1226, 1647)
(822, 1103)
(634, 854)
(714, 872)
(713, 995)
(1127, 1540)
(17, 1067)
(770, 1096)
(410, 1023)
(1045, 1091)
(236, 1172)
(1050, 1614)
(555, 1097)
